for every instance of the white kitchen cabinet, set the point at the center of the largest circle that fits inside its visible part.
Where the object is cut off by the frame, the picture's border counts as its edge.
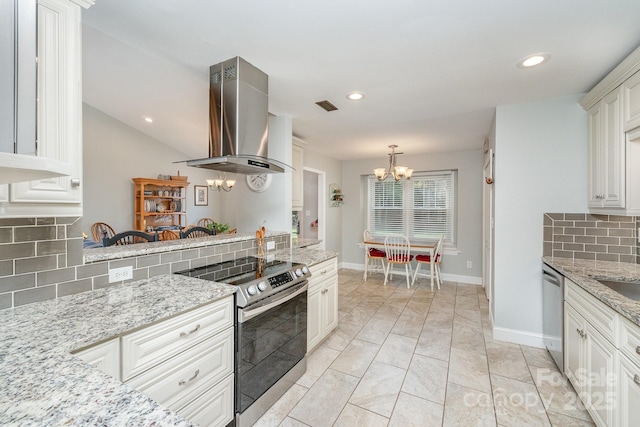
(59, 113)
(186, 363)
(628, 397)
(607, 153)
(297, 184)
(105, 357)
(631, 106)
(322, 303)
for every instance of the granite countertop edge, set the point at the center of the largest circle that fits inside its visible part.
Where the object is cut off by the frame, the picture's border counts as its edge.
(46, 385)
(585, 273)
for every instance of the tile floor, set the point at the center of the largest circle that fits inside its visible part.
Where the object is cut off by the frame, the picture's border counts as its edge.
(412, 357)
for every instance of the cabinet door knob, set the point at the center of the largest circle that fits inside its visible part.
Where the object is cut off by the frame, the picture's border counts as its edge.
(636, 379)
(638, 349)
(75, 182)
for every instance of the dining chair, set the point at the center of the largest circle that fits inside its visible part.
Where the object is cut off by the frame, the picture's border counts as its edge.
(204, 222)
(98, 230)
(129, 237)
(372, 255)
(426, 259)
(196, 231)
(398, 249)
(169, 235)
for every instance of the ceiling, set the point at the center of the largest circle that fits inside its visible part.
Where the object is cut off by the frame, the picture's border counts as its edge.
(432, 71)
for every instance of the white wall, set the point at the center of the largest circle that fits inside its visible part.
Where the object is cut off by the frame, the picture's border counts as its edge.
(469, 218)
(310, 204)
(333, 170)
(541, 166)
(113, 154)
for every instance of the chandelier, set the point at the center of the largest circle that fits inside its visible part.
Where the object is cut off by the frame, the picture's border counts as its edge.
(398, 172)
(221, 184)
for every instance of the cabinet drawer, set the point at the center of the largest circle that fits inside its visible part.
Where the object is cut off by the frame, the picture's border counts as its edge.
(324, 269)
(147, 347)
(629, 340)
(179, 380)
(214, 407)
(595, 312)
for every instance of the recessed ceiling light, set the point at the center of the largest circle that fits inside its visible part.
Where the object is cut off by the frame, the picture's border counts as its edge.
(148, 119)
(355, 96)
(533, 60)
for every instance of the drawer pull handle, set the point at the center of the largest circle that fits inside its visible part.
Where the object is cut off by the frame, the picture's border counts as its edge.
(638, 349)
(194, 330)
(323, 272)
(636, 379)
(183, 382)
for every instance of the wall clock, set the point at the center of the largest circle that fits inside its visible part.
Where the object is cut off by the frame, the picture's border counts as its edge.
(260, 182)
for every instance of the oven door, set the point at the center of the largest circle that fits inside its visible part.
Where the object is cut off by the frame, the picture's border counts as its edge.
(271, 340)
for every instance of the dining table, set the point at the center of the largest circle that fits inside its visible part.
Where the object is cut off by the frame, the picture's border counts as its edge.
(418, 247)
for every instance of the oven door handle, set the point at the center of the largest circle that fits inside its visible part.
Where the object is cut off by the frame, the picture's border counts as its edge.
(244, 314)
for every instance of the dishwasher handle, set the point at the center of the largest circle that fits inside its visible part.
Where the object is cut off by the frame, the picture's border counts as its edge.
(551, 279)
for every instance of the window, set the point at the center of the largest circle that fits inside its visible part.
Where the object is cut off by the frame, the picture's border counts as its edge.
(422, 208)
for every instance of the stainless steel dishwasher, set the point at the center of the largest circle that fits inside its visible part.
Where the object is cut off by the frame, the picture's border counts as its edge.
(553, 313)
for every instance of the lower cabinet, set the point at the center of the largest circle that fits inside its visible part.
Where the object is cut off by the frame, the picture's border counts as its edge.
(602, 358)
(105, 357)
(322, 316)
(185, 363)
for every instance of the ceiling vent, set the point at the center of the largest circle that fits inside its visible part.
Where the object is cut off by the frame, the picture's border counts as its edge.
(327, 106)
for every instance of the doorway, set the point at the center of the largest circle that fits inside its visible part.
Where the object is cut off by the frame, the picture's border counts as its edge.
(313, 216)
(487, 228)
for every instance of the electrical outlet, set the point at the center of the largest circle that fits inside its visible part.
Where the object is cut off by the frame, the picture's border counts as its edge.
(271, 245)
(469, 264)
(120, 274)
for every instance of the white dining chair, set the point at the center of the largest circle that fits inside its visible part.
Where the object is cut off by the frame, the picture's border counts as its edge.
(398, 249)
(372, 256)
(427, 259)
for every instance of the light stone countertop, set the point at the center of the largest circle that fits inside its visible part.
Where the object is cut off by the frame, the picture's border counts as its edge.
(303, 243)
(305, 256)
(141, 249)
(584, 273)
(44, 385)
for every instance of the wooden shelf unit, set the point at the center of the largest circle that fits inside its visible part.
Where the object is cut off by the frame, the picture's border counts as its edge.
(177, 192)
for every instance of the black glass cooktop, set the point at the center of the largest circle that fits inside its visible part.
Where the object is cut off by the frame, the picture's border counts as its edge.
(240, 271)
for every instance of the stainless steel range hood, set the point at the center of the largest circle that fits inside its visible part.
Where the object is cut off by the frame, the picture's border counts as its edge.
(238, 117)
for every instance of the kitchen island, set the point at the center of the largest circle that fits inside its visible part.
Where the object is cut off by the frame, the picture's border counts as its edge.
(45, 385)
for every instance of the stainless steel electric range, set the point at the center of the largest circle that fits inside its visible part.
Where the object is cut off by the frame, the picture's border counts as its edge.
(271, 329)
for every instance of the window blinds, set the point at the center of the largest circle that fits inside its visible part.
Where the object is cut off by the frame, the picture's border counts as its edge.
(422, 208)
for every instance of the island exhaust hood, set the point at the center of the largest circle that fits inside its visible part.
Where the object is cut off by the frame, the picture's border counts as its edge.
(238, 120)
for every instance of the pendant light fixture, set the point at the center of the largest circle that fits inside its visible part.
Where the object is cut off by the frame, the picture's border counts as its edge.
(221, 184)
(398, 172)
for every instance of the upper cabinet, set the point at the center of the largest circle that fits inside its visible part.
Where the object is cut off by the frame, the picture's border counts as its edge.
(297, 185)
(59, 115)
(613, 108)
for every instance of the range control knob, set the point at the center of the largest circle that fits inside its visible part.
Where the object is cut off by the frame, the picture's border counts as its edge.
(305, 270)
(251, 290)
(298, 272)
(262, 286)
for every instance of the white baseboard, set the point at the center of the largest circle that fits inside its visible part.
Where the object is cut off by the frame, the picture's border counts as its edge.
(472, 280)
(518, 337)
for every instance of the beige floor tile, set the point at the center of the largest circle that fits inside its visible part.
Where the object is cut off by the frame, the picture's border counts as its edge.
(557, 393)
(465, 338)
(361, 313)
(469, 369)
(290, 422)
(378, 327)
(466, 407)
(408, 326)
(317, 362)
(517, 403)
(426, 378)
(435, 343)
(560, 420)
(412, 411)
(356, 358)
(469, 319)
(378, 389)
(278, 412)
(397, 351)
(417, 308)
(342, 336)
(352, 416)
(507, 360)
(539, 357)
(324, 401)
(439, 319)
